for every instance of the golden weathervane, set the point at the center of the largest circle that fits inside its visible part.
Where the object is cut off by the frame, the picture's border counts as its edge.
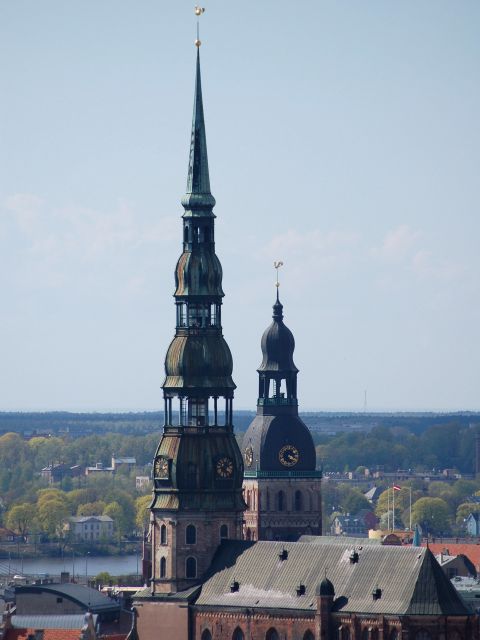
(198, 13)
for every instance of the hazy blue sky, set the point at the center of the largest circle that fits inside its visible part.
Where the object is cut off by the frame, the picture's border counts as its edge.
(343, 138)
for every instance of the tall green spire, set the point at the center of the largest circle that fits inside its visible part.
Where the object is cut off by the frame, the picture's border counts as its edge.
(198, 181)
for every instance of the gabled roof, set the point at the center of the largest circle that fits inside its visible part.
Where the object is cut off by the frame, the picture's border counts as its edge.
(410, 579)
(472, 551)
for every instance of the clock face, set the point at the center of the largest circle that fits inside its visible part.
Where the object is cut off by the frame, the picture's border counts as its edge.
(224, 467)
(161, 467)
(248, 455)
(288, 455)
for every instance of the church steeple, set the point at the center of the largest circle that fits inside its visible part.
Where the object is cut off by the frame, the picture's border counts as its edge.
(198, 466)
(198, 178)
(279, 453)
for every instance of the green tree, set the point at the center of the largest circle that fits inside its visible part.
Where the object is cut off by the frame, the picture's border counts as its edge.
(464, 510)
(402, 500)
(91, 508)
(116, 512)
(20, 518)
(142, 516)
(432, 514)
(52, 515)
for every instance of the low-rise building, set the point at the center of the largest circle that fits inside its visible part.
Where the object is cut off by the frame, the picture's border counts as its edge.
(472, 524)
(90, 528)
(142, 482)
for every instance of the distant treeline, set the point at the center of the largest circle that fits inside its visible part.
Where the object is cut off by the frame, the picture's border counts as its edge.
(152, 421)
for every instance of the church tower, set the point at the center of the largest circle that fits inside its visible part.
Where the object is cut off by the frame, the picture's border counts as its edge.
(282, 486)
(198, 467)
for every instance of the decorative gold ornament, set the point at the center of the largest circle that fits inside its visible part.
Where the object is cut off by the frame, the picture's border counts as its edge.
(224, 467)
(288, 455)
(248, 456)
(199, 10)
(198, 43)
(277, 265)
(161, 468)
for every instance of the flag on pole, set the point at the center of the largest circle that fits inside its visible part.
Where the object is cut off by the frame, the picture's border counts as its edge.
(396, 487)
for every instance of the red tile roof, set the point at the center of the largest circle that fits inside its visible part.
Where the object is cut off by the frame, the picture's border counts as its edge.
(472, 551)
(48, 634)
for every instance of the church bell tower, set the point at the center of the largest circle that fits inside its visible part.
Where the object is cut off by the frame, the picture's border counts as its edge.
(282, 486)
(198, 467)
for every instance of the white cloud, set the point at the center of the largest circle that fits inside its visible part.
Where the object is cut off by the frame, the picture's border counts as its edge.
(55, 245)
(398, 244)
(425, 265)
(25, 209)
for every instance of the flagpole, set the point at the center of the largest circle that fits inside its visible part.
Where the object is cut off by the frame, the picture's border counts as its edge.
(388, 507)
(410, 507)
(393, 501)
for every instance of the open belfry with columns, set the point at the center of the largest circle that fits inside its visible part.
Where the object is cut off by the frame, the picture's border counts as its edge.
(234, 549)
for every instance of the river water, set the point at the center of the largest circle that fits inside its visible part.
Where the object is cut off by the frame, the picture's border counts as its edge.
(80, 565)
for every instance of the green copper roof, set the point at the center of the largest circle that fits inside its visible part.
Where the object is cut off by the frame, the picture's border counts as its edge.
(198, 180)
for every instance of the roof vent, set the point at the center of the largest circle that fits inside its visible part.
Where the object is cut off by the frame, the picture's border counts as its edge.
(300, 589)
(354, 557)
(235, 586)
(283, 555)
(377, 593)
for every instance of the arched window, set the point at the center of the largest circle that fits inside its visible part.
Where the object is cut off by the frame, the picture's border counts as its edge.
(298, 501)
(344, 633)
(206, 635)
(272, 634)
(393, 635)
(268, 500)
(423, 635)
(308, 635)
(191, 534)
(280, 501)
(206, 234)
(249, 534)
(185, 234)
(163, 534)
(223, 531)
(191, 567)
(238, 634)
(163, 567)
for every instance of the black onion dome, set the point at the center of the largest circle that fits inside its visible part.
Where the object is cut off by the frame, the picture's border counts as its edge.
(325, 588)
(278, 344)
(198, 273)
(198, 361)
(267, 434)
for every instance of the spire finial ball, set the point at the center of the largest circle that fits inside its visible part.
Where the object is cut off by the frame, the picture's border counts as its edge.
(198, 43)
(199, 10)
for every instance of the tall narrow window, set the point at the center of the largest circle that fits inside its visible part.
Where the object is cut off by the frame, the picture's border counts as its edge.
(185, 234)
(238, 634)
(206, 635)
(223, 531)
(280, 501)
(191, 567)
(191, 534)
(298, 501)
(272, 635)
(163, 534)
(163, 567)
